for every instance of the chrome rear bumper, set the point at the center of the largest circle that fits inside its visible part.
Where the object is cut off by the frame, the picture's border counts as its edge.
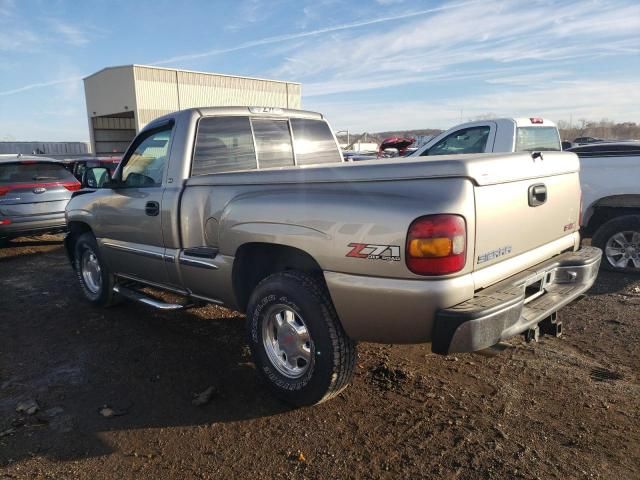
(516, 304)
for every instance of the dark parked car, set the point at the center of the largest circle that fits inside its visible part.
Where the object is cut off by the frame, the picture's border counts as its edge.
(34, 192)
(584, 140)
(608, 149)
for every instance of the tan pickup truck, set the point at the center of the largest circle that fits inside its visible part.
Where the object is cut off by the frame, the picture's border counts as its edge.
(254, 209)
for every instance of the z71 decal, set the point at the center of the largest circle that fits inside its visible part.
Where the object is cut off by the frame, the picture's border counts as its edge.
(374, 252)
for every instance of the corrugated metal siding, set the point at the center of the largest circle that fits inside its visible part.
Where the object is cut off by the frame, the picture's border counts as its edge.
(294, 94)
(113, 123)
(102, 135)
(111, 148)
(156, 93)
(202, 90)
(110, 91)
(152, 92)
(45, 148)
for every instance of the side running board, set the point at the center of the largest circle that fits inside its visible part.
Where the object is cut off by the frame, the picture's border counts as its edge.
(140, 297)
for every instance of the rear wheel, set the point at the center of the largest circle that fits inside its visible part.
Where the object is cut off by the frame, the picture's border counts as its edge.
(96, 281)
(297, 341)
(619, 240)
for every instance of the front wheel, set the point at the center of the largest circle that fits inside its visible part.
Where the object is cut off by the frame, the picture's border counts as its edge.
(619, 240)
(96, 281)
(296, 339)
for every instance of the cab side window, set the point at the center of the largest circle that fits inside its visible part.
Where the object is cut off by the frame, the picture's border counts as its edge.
(145, 166)
(469, 140)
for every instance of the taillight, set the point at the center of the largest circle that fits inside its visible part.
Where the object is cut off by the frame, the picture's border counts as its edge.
(536, 120)
(5, 221)
(72, 186)
(436, 245)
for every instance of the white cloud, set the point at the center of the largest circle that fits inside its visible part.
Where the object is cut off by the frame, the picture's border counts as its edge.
(49, 83)
(7, 8)
(593, 100)
(18, 39)
(486, 32)
(310, 33)
(455, 39)
(71, 34)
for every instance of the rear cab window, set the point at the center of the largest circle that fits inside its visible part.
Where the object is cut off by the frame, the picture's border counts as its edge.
(273, 143)
(230, 143)
(314, 142)
(530, 139)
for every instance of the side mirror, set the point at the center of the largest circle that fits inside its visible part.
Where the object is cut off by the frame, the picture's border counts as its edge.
(96, 177)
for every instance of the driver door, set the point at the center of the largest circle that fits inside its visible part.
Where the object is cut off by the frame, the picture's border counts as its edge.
(130, 216)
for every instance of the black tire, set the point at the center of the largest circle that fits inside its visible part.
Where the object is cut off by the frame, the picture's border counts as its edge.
(605, 233)
(333, 353)
(103, 296)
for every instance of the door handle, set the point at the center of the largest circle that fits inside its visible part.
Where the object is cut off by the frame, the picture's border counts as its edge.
(152, 209)
(537, 194)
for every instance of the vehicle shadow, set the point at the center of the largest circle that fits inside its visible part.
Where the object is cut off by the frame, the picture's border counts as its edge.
(613, 282)
(146, 366)
(19, 247)
(29, 243)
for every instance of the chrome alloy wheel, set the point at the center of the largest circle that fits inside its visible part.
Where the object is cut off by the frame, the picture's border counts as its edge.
(623, 249)
(91, 272)
(287, 342)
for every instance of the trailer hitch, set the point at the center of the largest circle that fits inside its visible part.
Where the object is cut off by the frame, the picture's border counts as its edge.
(551, 325)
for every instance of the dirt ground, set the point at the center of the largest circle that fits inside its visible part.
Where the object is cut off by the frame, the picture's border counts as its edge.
(561, 408)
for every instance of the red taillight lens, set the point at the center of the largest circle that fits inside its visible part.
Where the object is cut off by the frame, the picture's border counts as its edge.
(4, 221)
(437, 245)
(72, 186)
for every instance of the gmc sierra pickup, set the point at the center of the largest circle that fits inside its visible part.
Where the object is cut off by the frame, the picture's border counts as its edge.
(609, 174)
(254, 209)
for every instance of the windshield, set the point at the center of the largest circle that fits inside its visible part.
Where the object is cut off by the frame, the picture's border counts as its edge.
(11, 173)
(529, 139)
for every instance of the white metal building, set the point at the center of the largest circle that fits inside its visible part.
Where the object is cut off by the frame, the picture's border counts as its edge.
(122, 100)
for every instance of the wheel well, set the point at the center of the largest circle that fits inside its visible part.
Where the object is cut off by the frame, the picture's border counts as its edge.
(75, 229)
(603, 213)
(256, 261)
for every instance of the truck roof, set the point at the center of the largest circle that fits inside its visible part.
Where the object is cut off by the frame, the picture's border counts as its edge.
(239, 110)
(518, 121)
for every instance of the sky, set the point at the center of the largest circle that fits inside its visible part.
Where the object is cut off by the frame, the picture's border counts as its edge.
(372, 65)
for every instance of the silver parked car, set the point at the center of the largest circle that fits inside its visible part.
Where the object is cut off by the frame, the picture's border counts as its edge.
(34, 192)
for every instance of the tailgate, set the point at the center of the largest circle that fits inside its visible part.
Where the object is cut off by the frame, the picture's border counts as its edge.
(541, 205)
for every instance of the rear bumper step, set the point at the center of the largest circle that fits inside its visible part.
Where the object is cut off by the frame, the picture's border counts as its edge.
(507, 308)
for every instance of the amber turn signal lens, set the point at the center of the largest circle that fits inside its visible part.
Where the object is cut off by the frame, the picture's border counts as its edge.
(430, 247)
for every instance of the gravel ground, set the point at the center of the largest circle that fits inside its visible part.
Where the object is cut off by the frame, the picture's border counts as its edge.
(114, 391)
